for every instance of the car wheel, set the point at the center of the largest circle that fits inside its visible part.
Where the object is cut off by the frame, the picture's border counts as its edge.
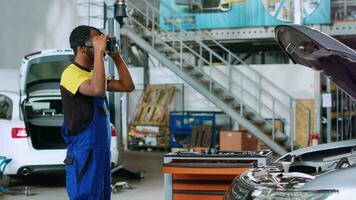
(5, 181)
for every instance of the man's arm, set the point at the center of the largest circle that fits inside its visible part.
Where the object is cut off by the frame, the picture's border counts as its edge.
(124, 84)
(96, 86)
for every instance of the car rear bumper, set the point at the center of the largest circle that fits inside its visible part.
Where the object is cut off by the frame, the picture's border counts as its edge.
(40, 169)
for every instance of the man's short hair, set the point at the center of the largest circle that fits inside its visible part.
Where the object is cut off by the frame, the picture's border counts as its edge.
(79, 36)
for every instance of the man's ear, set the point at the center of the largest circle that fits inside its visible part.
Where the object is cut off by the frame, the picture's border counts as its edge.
(81, 50)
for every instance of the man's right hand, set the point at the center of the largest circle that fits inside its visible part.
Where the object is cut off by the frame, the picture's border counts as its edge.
(96, 86)
(99, 43)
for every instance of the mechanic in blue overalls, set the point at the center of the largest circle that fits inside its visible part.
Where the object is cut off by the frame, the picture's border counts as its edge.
(86, 127)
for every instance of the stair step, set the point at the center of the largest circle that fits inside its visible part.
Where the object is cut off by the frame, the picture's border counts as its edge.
(259, 123)
(173, 57)
(205, 82)
(249, 115)
(162, 48)
(146, 34)
(218, 90)
(227, 98)
(237, 107)
(187, 67)
(235, 104)
(196, 73)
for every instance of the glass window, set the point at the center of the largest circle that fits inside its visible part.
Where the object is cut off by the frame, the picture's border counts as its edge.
(5, 107)
(47, 70)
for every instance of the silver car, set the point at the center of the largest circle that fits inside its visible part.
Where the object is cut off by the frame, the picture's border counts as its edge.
(321, 172)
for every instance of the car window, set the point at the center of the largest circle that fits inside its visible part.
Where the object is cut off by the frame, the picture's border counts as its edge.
(47, 70)
(5, 107)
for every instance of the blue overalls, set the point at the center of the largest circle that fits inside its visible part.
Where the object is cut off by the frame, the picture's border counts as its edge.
(88, 170)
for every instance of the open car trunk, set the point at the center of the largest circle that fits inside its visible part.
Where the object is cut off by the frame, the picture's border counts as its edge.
(41, 104)
(44, 118)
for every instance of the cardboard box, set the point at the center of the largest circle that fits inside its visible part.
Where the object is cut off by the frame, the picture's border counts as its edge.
(237, 141)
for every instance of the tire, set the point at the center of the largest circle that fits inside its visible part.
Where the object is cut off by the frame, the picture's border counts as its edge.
(5, 181)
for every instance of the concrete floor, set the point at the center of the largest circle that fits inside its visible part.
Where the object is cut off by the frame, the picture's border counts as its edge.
(52, 187)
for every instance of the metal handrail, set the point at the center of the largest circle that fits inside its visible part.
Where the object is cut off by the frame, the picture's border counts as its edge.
(245, 91)
(220, 58)
(211, 39)
(261, 77)
(242, 104)
(247, 78)
(212, 53)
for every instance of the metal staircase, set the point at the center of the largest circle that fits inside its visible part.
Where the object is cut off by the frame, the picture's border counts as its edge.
(240, 91)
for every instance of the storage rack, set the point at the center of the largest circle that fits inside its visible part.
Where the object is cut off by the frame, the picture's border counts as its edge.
(181, 125)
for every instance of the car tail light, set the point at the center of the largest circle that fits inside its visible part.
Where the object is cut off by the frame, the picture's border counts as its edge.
(113, 131)
(19, 133)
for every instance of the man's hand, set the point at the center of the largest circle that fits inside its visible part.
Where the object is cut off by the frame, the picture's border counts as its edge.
(96, 86)
(125, 83)
(115, 55)
(99, 43)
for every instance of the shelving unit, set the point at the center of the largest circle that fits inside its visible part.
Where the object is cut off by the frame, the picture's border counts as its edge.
(340, 119)
(182, 123)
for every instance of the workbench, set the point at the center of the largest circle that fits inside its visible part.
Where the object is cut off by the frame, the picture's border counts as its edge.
(198, 176)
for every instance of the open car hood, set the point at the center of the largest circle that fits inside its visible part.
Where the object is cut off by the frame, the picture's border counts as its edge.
(319, 51)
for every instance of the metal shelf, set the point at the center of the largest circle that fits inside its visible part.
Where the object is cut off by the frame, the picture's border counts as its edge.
(263, 33)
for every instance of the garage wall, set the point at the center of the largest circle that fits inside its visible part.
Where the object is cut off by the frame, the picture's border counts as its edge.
(29, 26)
(9, 79)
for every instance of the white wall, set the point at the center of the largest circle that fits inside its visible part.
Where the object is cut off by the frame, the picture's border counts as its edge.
(296, 80)
(9, 79)
(29, 26)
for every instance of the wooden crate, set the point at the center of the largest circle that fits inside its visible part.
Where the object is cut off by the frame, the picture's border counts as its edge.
(154, 106)
(303, 132)
(237, 141)
(202, 136)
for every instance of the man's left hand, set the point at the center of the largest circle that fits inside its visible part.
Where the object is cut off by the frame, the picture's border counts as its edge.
(115, 55)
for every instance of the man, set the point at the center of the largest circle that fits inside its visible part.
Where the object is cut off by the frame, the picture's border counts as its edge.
(86, 127)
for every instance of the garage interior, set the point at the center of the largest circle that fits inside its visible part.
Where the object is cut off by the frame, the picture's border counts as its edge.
(224, 96)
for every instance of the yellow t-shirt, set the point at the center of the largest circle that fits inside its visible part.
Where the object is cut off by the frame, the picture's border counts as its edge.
(73, 77)
(77, 108)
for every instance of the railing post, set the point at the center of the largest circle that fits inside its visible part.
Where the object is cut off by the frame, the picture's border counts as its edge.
(242, 95)
(350, 118)
(259, 96)
(210, 72)
(200, 54)
(146, 12)
(328, 114)
(273, 118)
(230, 71)
(292, 124)
(153, 20)
(181, 48)
(337, 114)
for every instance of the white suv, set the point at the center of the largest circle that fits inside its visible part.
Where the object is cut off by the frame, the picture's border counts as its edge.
(31, 120)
